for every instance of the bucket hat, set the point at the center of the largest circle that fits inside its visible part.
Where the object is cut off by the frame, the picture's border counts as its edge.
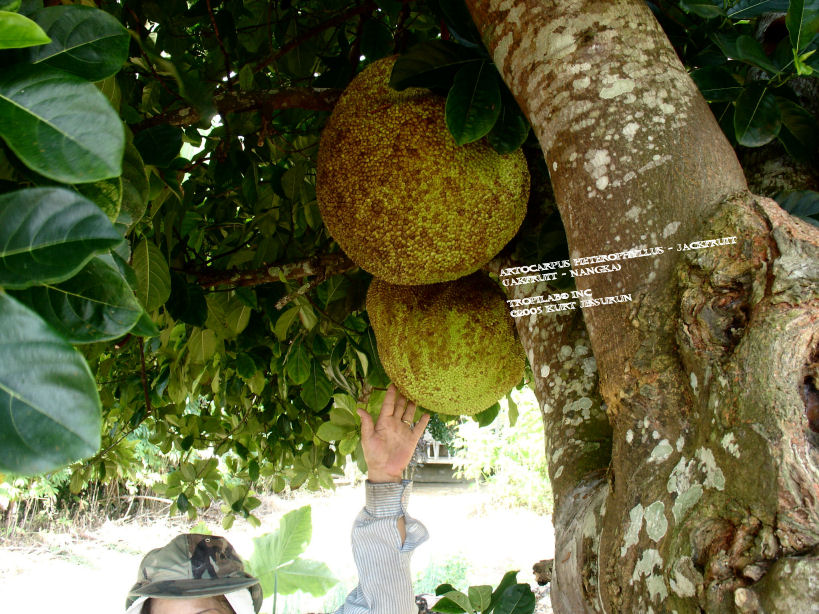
(193, 565)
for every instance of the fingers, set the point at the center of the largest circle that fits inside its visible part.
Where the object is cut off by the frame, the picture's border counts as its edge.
(409, 412)
(388, 406)
(420, 426)
(366, 423)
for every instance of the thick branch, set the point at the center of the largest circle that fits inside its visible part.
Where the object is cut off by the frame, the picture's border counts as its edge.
(309, 99)
(323, 266)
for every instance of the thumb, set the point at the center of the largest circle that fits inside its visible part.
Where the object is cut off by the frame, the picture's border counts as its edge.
(366, 423)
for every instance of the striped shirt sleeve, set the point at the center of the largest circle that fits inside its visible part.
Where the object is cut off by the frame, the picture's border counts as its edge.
(383, 562)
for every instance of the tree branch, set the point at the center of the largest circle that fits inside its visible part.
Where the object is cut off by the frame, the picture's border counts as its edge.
(323, 266)
(266, 101)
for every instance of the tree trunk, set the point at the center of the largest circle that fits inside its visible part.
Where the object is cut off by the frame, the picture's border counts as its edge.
(709, 499)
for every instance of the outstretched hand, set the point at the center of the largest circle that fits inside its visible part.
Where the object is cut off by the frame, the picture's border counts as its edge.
(390, 442)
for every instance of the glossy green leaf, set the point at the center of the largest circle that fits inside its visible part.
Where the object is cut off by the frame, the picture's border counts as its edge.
(50, 412)
(517, 599)
(96, 304)
(187, 301)
(802, 21)
(745, 9)
(18, 31)
(298, 364)
(317, 390)
(329, 432)
(60, 125)
(153, 276)
(159, 145)
(202, 345)
(487, 416)
(800, 131)
(106, 194)
(750, 50)
(509, 579)
(432, 64)
(85, 41)
(284, 321)
(756, 116)
(473, 104)
(716, 83)
(480, 596)
(227, 314)
(511, 128)
(801, 203)
(452, 602)
(48, 234)
(134, 187)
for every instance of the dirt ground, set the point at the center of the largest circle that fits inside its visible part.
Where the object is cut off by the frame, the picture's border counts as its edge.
(91, 573)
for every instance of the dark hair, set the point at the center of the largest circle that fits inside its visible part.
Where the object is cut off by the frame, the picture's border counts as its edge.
(221, 599)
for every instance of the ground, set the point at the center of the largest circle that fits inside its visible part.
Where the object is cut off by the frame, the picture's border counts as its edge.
(89, 573)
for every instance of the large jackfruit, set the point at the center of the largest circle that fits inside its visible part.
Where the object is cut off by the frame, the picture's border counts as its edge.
(450, 347)
(400, 198)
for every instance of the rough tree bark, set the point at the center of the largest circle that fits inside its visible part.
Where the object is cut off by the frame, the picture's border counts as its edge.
(709, 499)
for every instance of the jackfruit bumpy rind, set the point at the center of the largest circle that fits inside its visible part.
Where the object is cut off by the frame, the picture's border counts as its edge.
(450, 347)
(400, 198)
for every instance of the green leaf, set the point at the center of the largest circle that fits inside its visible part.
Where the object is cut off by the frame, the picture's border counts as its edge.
(329, 432)
(298, 364)
(517, 599)
(376, 40)
(96, 304)
(202, 345)
(756, 116)
(135, 187)
(153, 276)
(292, 180)
(159, 145)
(50, 412)
(512, 127)
(716, 83)
(486, 417)
(312, 577)
(802, 22)
(274, 550)
(480, 597)
(452, 602)
(801, 203)
(745, 9)
(513, 410)
(60, 125)
(284, 321)
(106, 194)
(702, 8)
(10, 5)
(316, 391)
(17, 31)
(187, 301)
(145, 327)
(473, 103)
(432, 64)
(85, 41)
(800, 132)
(227, 314)
(509, 579)
(48, 234)
(750, 50)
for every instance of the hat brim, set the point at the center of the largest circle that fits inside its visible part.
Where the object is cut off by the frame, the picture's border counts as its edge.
(181, 589)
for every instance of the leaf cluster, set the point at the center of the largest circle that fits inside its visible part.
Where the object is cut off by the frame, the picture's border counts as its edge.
(509, 597)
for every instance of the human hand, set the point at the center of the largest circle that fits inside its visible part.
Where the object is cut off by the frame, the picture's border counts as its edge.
(389, 443)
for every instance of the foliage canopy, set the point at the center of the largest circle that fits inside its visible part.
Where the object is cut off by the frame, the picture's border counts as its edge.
(162, 258)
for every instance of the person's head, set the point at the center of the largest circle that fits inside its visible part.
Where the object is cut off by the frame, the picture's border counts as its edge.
(199, 605)
(194, 574)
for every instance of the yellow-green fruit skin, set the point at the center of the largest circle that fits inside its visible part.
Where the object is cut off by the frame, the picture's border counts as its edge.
(451, 347)
(400, 198)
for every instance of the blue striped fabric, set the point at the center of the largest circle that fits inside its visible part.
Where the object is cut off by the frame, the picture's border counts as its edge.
(383, 562)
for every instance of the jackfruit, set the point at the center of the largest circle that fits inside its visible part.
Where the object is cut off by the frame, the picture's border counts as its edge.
(451, 347)
(400, 198)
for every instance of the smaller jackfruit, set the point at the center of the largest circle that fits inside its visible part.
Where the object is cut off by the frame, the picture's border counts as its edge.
(451, 347)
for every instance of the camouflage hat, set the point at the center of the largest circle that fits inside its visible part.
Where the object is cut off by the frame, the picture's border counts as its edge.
(193, 565)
